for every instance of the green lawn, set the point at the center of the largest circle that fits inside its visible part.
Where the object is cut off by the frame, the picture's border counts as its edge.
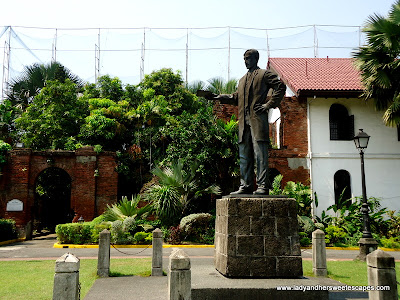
(34, 279)
(347, 272)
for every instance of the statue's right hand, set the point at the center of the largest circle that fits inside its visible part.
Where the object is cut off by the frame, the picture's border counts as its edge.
(206, 94)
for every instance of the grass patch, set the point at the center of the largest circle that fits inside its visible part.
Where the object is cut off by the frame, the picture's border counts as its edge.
(347, 272)
(34, 279)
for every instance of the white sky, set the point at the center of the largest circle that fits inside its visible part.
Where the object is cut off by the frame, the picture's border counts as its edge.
(264, 14)
(188, 13)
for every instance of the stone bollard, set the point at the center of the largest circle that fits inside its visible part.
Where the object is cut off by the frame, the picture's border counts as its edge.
(156, 262)
(179, 277)
(66, 278)
(319, 253)
(103, 256)
(381, 272)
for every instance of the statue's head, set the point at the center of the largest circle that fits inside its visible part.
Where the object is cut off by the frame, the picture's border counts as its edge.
(251, 57)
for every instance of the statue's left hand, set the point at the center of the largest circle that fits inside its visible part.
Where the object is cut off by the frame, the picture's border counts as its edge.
(259, 108)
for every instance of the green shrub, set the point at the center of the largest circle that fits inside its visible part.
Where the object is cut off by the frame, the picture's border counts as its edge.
(129, 225)
(75, 233)
(192, 222)
(393, 242)
(335, 235)
(198, 228)
(142, 237)
(8, 230)
(306, 224)
(97, 228)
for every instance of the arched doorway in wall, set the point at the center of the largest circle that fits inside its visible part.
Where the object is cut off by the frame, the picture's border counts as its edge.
(342, 187)
(52, 203)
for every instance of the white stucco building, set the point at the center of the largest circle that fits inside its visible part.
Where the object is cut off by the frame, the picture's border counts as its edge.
(335, 113)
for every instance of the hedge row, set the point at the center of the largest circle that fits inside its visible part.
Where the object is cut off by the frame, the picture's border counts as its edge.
(8, 230)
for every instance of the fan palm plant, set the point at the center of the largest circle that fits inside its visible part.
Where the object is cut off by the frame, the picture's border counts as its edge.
(218, 85)
(126, 208)
(379, 64)
(24, 88)
(175, 190)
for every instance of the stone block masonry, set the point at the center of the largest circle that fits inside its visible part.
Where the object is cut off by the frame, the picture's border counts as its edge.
(257, 237)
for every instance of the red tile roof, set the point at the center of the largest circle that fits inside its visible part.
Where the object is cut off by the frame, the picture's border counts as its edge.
(307, 76)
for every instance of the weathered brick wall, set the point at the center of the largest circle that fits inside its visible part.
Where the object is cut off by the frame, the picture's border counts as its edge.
(290, 160)
(94, 181)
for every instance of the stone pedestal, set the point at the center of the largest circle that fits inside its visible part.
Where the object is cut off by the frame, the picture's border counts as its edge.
(257, 237)
(367, 246)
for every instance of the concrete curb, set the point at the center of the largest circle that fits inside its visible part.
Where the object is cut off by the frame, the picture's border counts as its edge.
(58, 245)
(11, 241)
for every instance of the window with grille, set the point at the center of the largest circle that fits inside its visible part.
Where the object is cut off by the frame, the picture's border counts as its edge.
(341, 125)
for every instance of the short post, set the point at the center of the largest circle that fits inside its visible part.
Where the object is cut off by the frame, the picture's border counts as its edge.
(319, 253)
(156, 262)
(66, 278)
(103, 256)
(381, 273)
(179, 277)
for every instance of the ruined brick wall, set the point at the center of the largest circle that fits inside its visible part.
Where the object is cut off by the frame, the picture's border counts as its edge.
(94, 181)
(291, 159)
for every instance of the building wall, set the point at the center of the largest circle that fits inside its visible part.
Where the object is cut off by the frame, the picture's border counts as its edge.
(91, 190)
(382, 157)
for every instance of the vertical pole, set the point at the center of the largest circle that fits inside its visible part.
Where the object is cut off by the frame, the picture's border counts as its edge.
(6, 66)
(103, 259)
(229, 53)
(382, 274)
(315, 42)
(367, 243)
(365, 206)
(66, 278)
(156, 261)
(54, 56)
(187, 54)
(268, 54)
(143, 54)
(319, 253)
(179, 277)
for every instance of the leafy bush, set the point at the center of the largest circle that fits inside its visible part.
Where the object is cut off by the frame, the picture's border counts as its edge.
(192, 222)
(176, 189)
(393, 242)
(198, 228)
(306, 224)
(304, 239)
(143, 237)
(97, 228)
(4, 147)
(335, 235)
(8, 230)
(75, 233)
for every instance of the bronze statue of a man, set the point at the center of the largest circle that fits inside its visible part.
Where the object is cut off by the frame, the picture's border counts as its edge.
(253, 107)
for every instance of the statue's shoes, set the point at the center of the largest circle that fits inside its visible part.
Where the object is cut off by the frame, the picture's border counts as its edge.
(242, 190)
(261, 191)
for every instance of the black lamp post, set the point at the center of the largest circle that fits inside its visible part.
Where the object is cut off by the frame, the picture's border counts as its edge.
(367, 242)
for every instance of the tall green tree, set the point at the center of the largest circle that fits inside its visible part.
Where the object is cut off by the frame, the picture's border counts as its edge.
(379, 64)
(24, 88)
(54, 117)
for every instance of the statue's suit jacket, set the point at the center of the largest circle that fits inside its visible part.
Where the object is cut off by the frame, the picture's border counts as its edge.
(256, 91)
